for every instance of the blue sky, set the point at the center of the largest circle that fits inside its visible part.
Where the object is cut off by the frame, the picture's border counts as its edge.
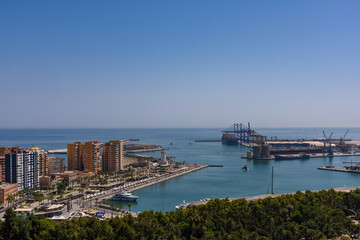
(179, 63)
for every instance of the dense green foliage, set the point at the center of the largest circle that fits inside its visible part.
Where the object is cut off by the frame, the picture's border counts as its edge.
(309, 215)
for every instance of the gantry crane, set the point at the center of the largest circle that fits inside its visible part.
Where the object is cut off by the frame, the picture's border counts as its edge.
(328, 141)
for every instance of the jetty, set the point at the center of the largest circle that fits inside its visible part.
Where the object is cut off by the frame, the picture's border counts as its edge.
(58, 151)
(211, 140)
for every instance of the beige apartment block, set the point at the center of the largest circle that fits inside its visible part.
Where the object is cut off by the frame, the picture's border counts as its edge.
(93, 156)
(43, 161)
(75, 155)
(113, 155)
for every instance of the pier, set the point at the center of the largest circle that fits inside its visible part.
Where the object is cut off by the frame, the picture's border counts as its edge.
(58, 151)
(219, 140)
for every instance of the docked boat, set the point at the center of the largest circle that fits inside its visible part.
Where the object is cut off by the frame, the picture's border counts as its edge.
(292, 156)
(182, 205)
(124, 196)
(206, 199)
(229, 139)
(246, 168)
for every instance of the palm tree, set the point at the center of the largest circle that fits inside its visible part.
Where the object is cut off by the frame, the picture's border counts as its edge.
(51, 196)
(10, 199)
(112, 209)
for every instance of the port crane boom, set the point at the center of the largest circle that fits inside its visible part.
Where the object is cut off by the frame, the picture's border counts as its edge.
(328, 141)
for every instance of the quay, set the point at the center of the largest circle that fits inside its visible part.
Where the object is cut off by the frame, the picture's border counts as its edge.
(177, 173)
(339, 169)
(321, 155)
(313, 155)
(208, 140)
(144, 150)
(143, 183)
(263, 196)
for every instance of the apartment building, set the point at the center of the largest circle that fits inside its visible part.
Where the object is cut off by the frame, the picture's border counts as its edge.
(93, 156)
(22, 167)
(76, 155)
(113, 155)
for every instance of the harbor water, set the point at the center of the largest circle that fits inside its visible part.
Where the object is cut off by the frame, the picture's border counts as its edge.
(218, 182)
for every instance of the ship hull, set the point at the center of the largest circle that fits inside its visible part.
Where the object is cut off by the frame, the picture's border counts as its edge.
(291, 157)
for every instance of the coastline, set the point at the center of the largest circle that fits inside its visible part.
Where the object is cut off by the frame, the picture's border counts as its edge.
(263, 196)
(137, 185)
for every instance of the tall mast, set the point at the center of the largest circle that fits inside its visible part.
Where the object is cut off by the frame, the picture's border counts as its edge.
(272, 180)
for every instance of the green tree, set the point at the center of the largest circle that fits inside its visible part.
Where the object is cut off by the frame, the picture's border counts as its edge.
(11, 225)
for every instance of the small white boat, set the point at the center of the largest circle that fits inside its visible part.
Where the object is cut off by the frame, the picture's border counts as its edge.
(182, 205)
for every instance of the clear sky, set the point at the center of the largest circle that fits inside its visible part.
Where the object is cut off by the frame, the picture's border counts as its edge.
(179, 63)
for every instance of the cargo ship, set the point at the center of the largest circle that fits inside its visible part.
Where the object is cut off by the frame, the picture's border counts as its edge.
(286, 151)
(292, 156)
(229, 139)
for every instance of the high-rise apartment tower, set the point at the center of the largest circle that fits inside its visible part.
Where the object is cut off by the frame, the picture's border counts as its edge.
(113, 155)
(93, 156)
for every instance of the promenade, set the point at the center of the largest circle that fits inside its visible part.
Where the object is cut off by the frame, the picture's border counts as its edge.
(263, 196)
(143, 183)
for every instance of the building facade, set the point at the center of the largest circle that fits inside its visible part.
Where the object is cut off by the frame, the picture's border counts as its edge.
(22, 167)
(57, 165)
(75, 155)
(113, 155)
(3, 152)
(2, 169)
(43, 161)
(93, 156)
(7, 189)
(7, 150)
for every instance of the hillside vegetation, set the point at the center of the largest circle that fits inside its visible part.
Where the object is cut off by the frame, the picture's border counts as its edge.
(325, 214)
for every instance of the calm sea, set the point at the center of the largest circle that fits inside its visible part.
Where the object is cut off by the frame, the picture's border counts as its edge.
(228, 181)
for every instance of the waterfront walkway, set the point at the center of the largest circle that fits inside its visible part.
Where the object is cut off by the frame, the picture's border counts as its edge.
(263, 196)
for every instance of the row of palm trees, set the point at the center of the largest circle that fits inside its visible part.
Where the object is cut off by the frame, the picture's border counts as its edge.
(20, 195)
